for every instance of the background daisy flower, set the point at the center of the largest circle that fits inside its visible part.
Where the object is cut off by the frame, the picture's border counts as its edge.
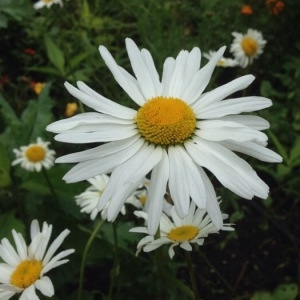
(247, 47)
(35, 156)
(48, 3)
(176, 132)
(177, 231)
(23, 269)
(223, 62)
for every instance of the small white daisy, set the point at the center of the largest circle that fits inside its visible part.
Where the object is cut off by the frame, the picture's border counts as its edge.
(88, 200)
(35, 156)
(177, 131)
(23, 270)
(223, 62)
(247, 47)
(192, 229)
(48, 3)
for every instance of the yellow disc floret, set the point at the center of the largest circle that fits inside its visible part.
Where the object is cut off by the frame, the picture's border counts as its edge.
(249, 46)
(26, 273)
(183, 233)
(165, 121)
(35, 153)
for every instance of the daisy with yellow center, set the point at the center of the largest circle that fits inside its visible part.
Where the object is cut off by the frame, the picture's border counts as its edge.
(223, 62)
(247, 47)
(178, 231)
(48, 3)
(176, 131)
(23, 270)
(35, 156)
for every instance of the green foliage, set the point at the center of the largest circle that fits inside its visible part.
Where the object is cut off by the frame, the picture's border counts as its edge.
(287, 291)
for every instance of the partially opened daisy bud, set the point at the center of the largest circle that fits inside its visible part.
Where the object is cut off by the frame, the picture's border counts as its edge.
(178, 231)
(23, 270)
(35, 156)
(176, 131)
(247, 47)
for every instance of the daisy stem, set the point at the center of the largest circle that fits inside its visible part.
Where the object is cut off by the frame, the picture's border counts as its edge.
(50, 185)
(84, 256)
(192, 276)
(115, 268)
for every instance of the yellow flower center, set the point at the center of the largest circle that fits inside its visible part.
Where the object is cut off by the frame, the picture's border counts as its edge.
(35, 153)
(142, 198)
(26, 273)
(249, 46)
(183, 233)
(165, 121)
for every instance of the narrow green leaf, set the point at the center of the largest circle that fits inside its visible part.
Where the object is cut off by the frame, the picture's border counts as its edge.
(55, 55)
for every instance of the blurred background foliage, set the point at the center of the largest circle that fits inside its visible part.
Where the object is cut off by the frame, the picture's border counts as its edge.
(260, 260)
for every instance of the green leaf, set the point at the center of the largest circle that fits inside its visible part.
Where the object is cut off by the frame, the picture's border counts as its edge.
(8, 112)
(4, 167)
(3, 21)
(55, 55)
(295, 152)
(287, 291)
(261, 296)
(8, 221)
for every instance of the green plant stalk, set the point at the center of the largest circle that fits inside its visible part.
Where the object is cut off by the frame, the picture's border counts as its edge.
(50, 186)
(192, 276)
(84, 256)
(279, 146)
(114, 270)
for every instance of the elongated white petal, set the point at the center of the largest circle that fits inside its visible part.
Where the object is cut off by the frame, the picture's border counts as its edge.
(253, 149)
(157, 190)
(168, 70)
(104, 164)
(233, 106)
(106, 133)
(253, 122)
(98, 152)
(201, 79)
(219, 130)
(100, 103)
(129, 84)
(222, 92)
(141, 71)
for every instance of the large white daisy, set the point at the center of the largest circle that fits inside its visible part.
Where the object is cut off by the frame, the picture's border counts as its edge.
(23, 269)
(174, 230)
(176, 132)
(247, 47)
(35, 156)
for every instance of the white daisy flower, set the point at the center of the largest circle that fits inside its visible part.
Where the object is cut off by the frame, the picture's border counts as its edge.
(247, 47)
(35, 156)
(23, 270)
(192, 229)
(177, 130)
(223, 62)
(88, 200)
(48, 3)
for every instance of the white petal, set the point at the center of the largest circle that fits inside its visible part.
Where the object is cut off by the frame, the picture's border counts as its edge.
(29, 294)
(219, 130)
(124, 79)
(105, 164)
(202, 78)
(45, 286)
(253, 122)
(100, 103)
(168, 70)
(234, 106)
(186, 246)
(222, 92)
(232, 171)
(254, 150)
(157, 190)
(140, 69)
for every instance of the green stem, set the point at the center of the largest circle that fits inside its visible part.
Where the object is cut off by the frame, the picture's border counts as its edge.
(84, 256)
(50, 185)
(192, 276)
(114, 270)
